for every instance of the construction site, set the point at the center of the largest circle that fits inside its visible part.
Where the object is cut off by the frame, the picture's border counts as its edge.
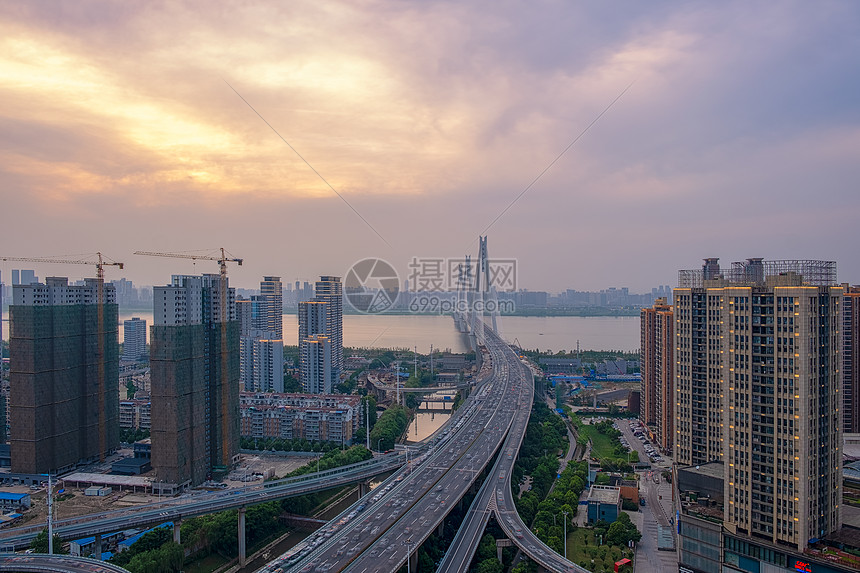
(64, 376)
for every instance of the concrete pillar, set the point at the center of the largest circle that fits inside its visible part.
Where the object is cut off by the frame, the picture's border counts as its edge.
(363, 488)
(441, 529)
(413, 560)
(500, 543)
(97, 550)
(241, 537)
(177, 530)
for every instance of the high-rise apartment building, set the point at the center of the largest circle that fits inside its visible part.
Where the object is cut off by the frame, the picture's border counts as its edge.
(322, 317)
(261, 344)
(272, 291)
(313, 324)
(330, 290)
(698, 392)
(658, 366)
(316, 370)
(851, 359)
(194, 360)
(64, 375)
(757, 352)
(313, 318)
(134, 339)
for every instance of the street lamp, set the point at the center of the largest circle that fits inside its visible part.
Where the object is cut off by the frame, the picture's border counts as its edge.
(408, 555)
(50, 516)
(565, 533)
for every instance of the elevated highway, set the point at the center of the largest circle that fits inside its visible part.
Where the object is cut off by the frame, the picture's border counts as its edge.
(385, 527)
(496, 496)
(423, 389)
(43, 563)
(176, 509)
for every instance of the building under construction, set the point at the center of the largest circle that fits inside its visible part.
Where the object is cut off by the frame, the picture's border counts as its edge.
(64, 375)
(194, 360)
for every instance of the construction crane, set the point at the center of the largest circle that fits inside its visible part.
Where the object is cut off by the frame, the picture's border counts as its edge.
(225, 379)
(100, 264)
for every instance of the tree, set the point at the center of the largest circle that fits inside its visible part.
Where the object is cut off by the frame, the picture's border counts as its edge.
(149, 541)
(389, 427)
(166, 559)
(40, 544)
(491, 565)
(425, 562)
(487, 548)
(622, 531)
(291, 383)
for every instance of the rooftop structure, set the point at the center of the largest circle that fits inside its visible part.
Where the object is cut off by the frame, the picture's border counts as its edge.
(756, 270)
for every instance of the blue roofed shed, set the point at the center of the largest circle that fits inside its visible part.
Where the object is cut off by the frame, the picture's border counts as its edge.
(14, 501)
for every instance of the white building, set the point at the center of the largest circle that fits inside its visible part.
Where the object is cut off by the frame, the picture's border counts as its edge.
(322, 317)
(261, 342)
(316, 369)
(134, 340)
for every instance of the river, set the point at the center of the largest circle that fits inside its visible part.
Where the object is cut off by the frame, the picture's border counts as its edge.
(429, 418)
(407, 331)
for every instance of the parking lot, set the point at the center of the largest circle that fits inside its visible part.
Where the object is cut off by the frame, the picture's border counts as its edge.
(633, 436)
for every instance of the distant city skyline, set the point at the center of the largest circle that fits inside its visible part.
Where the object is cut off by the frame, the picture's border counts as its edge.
(139, 296)
(430, 119)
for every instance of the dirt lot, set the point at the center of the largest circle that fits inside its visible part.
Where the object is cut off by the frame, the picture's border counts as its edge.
(261, 463)
(73, 502)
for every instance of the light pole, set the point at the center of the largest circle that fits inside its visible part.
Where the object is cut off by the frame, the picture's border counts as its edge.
(408, 555)
(565, 533)
(50, 516)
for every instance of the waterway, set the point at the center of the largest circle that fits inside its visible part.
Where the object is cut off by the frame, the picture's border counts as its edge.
(426, 422)
(408, 331)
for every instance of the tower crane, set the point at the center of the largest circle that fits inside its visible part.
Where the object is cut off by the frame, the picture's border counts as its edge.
(225, 379)
(100, 264)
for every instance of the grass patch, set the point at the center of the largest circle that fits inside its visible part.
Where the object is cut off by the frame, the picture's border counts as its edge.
(601, 444)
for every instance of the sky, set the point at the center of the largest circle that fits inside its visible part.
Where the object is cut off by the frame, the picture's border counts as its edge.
(304, 136)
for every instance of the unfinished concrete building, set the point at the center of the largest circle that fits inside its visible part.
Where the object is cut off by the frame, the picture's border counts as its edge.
(194, 360)
(64, 375)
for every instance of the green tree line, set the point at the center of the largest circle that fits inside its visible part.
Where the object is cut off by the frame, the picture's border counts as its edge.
(389, 427)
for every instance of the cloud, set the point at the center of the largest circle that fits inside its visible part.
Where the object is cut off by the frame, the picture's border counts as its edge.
(430, 118)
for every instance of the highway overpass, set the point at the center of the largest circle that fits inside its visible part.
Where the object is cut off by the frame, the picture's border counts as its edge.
(43, 563)
(496, 496)
(381, 530)
(176, 509)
